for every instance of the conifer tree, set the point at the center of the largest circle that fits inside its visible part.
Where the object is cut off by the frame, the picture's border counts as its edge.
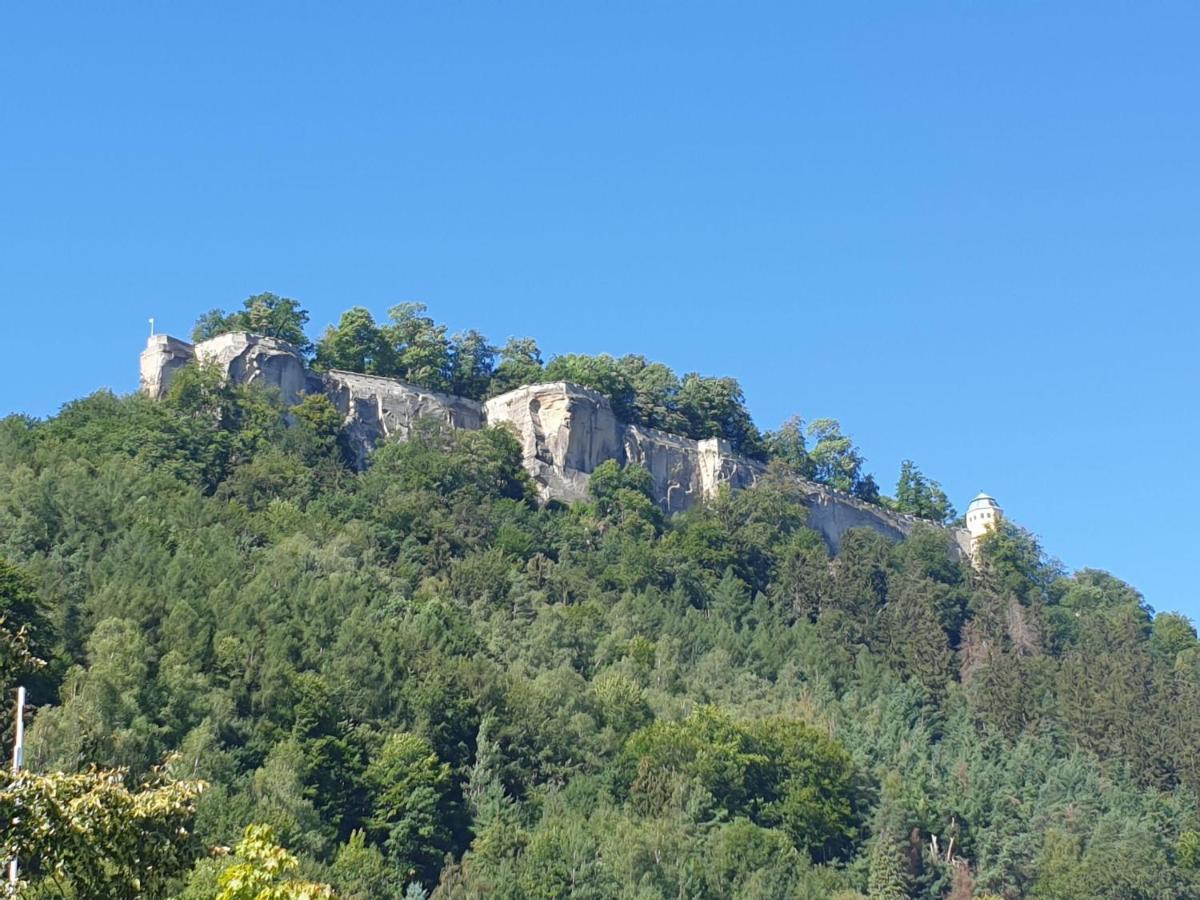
(888, 876)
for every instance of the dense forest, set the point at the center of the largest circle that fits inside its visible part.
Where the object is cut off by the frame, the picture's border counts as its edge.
(256, 672)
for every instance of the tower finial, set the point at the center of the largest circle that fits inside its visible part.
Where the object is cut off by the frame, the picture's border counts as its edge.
(152, 326)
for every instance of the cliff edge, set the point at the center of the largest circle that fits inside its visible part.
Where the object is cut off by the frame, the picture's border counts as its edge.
(565, 430)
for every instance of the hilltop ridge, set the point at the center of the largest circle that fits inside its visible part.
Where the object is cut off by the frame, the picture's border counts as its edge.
(566, 430)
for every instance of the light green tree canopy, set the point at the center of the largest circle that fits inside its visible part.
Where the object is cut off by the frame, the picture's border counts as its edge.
(89, 833)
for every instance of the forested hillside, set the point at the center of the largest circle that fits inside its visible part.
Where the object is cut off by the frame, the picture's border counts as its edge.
(422, 684)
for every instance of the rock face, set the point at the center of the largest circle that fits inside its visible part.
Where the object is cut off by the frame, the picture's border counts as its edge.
(243, 358)
(375, 409)
(163, 356)
(833, 514)
(565, 430)
(719, 466)
(252, 359)
(683, 470)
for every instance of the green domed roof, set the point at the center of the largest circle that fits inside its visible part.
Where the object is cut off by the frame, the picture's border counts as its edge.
(982, 501)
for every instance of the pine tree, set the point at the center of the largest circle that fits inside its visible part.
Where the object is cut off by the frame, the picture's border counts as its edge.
(888, 876)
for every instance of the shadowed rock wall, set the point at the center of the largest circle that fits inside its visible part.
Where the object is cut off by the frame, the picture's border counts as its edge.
(833, 514)
(375, 409)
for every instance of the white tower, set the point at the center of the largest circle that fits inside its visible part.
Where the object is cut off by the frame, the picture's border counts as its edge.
(983, 514)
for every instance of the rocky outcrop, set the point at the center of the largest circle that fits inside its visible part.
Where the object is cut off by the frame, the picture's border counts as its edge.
(565, 430)
(672, 461)
(684, 471)
(833, 514)
(375, 409)
(720, 466)
(242, 358)
(253, 359)
(162, 358)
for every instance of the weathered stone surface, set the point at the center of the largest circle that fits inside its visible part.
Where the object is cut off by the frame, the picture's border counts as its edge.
(253, 359)
(671, 460)
(685, 471)
(163, 356)
(833, 514)
(719, 465)
(375, 409)
(963, 543)
(565, 432)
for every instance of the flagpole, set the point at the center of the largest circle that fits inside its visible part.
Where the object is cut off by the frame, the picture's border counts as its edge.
(18, 760)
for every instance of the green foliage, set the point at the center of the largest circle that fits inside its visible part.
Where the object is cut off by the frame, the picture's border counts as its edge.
(90, 834)
(788, 445)
(835, 460)
(437, 460)
(362, 872)
(211, 324)
(472, 360)
(266, 314)
(260, 869)
(656, 400)
(888, 878)
(356, 344)
(412, 347)
(746, 860)
(103, 718)
(918, 496)
(420, 347)
(411, 810)
(777, 772)
(25, 632)
(715, 407)
(624, 497)
(520, 364)
(564, 859)
(1014, 564)
(423, 681)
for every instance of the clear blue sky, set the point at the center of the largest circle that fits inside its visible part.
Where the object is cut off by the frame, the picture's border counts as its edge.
(969, 231)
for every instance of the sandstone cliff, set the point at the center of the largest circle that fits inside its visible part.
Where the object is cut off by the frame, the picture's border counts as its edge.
(375, 409)
(565, 430)
(162, 358)
(251, 359)
(244, 358)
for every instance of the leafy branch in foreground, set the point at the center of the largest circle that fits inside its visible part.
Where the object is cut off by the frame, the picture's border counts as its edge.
(261, 870)
(90, 836)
